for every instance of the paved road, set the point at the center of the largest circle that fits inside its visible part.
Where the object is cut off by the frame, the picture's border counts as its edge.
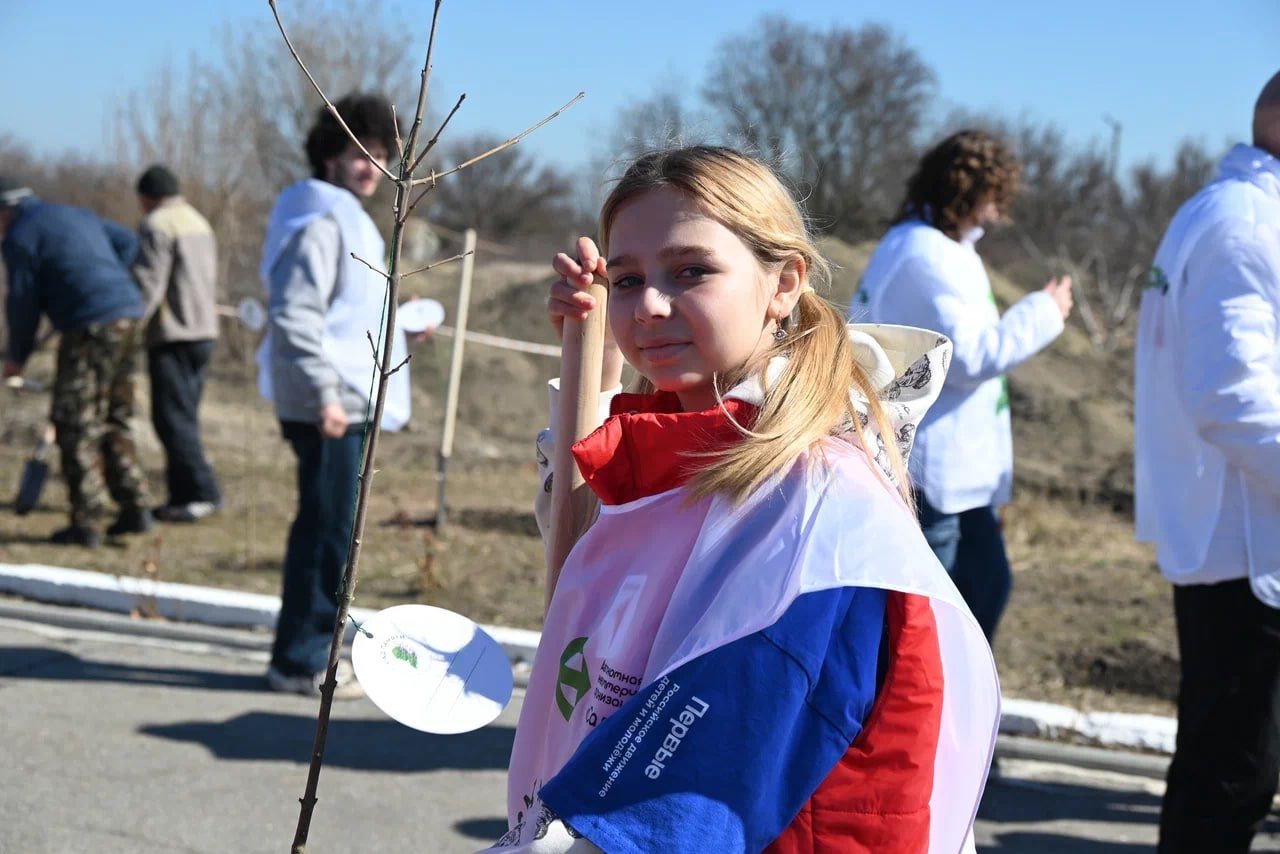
(119, 744)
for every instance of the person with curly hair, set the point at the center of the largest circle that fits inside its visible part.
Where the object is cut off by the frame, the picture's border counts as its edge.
(315, 366)
(926, 272)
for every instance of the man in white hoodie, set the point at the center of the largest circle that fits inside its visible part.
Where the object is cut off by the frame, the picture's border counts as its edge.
(1207, 486)
(317, 367)
(927, 273)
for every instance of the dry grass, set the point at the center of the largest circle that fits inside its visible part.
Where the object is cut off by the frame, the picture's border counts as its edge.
(1090, 622)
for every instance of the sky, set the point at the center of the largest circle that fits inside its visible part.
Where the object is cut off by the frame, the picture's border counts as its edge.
(1164, 70)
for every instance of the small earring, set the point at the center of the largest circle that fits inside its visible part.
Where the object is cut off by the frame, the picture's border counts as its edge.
(779, 334)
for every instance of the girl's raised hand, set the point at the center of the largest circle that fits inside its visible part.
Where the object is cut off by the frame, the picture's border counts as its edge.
(567, 298)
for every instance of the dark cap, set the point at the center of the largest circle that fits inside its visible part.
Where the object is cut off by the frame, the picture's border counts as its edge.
(158, 183)
(12, 192)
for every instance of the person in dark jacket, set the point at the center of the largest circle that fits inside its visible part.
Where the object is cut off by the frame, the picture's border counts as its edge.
(72, 266)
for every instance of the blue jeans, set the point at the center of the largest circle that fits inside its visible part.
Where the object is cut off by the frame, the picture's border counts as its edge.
(316, 554)
(970, 547)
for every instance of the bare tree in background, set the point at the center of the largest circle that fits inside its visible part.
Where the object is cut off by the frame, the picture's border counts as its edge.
(71, 178)
(239, 119)
(840, 110)
(506, 197)
(232, 127)
(663, 120)
(1078, 214)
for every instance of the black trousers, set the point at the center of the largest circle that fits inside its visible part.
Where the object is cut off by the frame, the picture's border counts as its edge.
(177, 383)
(1227, 761)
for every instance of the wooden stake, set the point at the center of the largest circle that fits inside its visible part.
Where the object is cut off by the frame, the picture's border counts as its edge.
(455, 374)
(582, 350)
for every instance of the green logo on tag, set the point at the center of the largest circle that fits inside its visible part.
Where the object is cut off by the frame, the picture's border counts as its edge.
(574, 678)
(1002, 403)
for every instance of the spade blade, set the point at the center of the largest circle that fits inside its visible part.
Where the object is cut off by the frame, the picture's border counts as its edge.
(29, 488)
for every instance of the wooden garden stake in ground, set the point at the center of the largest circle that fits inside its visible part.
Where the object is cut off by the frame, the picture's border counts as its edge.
(249, 481)
(455, 374)
(410, 158)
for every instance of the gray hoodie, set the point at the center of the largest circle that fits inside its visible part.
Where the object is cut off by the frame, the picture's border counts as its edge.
(303, 281)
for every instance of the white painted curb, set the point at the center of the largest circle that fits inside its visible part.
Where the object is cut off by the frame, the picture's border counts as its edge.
(1107, 729)
(214, 606)
(186, 602)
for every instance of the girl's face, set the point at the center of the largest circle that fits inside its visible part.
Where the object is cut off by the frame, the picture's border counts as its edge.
(687, 298)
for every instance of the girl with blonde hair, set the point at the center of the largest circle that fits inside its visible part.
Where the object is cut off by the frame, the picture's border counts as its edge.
(752, 647)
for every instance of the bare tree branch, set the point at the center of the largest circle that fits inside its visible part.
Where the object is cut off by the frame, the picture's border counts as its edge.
(457, 257)
(395, 123)
(423, 86)
(510, 142)
(431, 143)
(382, 273)
(328, 104)
(403, 362)
(431, 185)
(507, 197)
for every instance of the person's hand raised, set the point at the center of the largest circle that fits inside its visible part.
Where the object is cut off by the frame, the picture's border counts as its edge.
(568, 298)
(1059, 288)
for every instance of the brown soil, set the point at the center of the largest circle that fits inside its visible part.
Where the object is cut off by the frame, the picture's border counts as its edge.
(1089, 623)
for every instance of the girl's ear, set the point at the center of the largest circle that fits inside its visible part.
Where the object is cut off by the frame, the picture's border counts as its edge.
(793, 278)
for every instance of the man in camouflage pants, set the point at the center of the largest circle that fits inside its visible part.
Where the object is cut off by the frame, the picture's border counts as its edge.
(71, 265)
(92, 406)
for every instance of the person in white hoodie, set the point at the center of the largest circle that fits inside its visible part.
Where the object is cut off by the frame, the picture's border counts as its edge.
(1207, 486)
(927, 273)
(315, 364)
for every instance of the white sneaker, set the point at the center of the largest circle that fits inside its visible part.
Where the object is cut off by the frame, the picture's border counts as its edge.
(348, 688)
(191, 512)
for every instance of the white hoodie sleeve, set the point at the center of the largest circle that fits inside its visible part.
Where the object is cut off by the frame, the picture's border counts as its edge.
(925, 295)
(1227, 347)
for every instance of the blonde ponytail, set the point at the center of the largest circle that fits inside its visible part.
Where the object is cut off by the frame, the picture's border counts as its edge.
(807, 403)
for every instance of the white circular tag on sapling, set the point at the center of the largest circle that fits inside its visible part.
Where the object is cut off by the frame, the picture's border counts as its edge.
(431, 669)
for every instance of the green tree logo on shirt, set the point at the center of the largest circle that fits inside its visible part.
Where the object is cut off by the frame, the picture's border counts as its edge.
(574, 680)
